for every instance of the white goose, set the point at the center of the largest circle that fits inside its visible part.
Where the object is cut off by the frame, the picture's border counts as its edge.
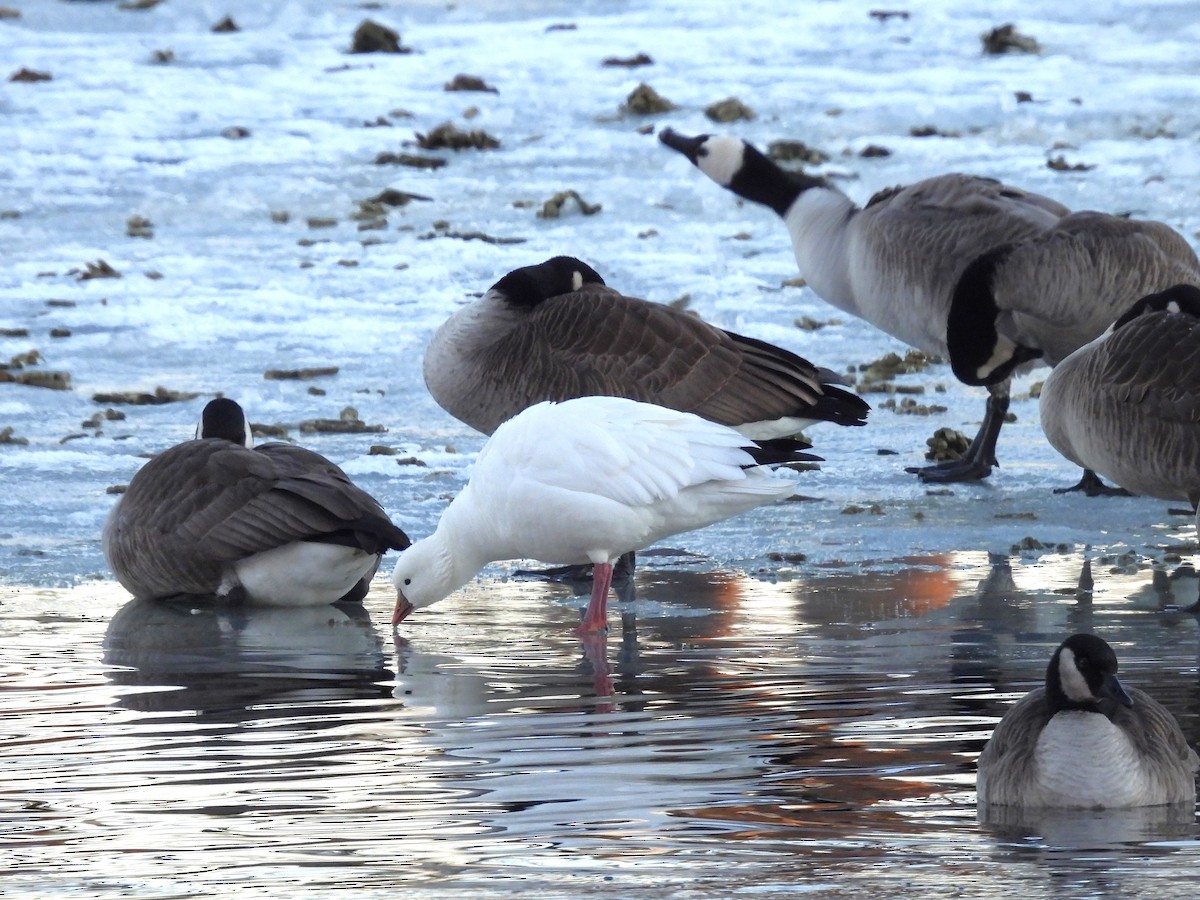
(585, 481)
(1084, 741)
(554, 331)
(275, 525)
(957, 265)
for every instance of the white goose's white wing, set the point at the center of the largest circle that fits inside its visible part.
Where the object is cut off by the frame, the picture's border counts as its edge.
(635, 454)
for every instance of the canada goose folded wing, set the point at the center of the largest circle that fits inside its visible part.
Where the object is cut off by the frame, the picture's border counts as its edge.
(596, 341)
(906, 250)
(1050, 294)
(1152, 367)
(1155, 733)
(256, 500)
(1005, 762)
(967, 195)
(1127, 404)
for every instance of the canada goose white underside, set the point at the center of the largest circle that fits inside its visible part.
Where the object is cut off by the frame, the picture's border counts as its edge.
(1084, 761)
(303, 573)
(771, 429)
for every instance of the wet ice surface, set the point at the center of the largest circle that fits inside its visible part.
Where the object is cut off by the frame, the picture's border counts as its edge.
(809, 683)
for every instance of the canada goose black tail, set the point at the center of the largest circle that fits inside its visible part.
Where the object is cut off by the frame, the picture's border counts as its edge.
(778, 451)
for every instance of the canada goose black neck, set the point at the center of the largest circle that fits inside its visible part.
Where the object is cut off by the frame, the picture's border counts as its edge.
(1082, 675)
(224, 418)
(979, 354)
(530, 285)
(763, 181)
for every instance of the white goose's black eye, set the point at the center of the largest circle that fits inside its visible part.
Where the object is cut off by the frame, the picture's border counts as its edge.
(407, 581)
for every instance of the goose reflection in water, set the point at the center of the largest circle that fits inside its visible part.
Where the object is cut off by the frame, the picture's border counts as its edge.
(221, 660)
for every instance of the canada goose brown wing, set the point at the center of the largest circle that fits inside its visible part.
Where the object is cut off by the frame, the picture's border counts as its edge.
(207, 502)
(1159, 739)
(1152, 363)
(920, 240)
(275, 494)
(1016, 732)
(1057, 291)
(967, 195)
(597, 341)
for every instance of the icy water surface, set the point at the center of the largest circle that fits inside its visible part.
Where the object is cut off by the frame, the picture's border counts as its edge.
(735, 738)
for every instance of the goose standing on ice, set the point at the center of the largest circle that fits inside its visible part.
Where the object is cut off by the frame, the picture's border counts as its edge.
(1127, 404)
(1085, 741)
(990, 275)
(554, 331)
(585, 481)
(274, 525)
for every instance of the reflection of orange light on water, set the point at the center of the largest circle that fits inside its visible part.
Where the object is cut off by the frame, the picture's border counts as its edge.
(821, 808)
(926, 584)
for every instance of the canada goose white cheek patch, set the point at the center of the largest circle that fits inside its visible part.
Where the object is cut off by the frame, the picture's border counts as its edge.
(720, 159)
(1074, 685)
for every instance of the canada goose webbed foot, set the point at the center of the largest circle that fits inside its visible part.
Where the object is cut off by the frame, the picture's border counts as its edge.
(979, 460)
(959, 470)
(974, 465)
(1090, 484)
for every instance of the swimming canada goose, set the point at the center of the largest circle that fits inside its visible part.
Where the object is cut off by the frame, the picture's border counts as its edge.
(1127, 404)
(274, 525)
(961, 266)
(1084, 741)
(554, 331)
(585, 481)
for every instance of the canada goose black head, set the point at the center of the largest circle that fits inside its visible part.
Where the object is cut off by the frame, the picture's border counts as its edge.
(225, 419)
(530, 285)
(1082, 675)
(1181, 298)
(979, 353)
(742, 168)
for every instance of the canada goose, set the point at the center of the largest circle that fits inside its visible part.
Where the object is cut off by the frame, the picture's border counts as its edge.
(585, 481)
(1084, 741)
(554, 331)
(988, 274)
(1127, 404)
(274, 525)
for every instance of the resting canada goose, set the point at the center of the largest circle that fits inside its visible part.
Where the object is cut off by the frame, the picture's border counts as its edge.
(585, 481)
(1127, 404)
(275, 525)
(1085, 741)
(958, 265)
(554, 331)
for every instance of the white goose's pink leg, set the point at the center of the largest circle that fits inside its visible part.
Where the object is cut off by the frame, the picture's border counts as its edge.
(595, 651)
(596, 617)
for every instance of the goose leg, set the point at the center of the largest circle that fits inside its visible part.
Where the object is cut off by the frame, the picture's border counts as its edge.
(1091, 485)
(596, 617)
(595, 651)
(977, 462)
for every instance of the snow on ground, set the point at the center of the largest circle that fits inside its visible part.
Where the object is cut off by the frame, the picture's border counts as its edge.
(236, 281)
